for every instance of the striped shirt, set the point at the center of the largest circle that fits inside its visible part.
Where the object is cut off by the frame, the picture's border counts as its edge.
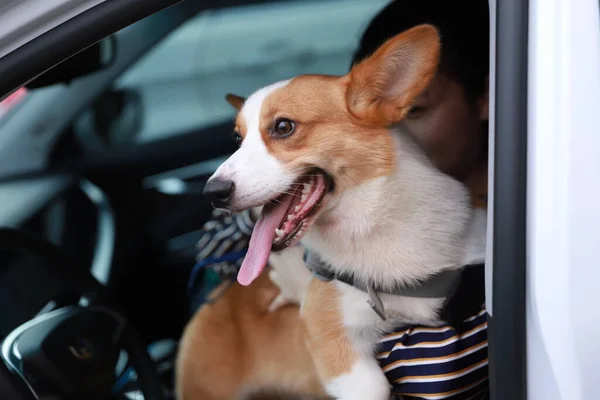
(221, 250)
(445, 362)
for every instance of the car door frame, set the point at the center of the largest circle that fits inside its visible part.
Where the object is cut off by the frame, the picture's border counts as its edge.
(506, 262)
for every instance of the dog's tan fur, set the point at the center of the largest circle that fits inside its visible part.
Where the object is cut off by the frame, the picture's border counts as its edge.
(236, 346)
(326, 327)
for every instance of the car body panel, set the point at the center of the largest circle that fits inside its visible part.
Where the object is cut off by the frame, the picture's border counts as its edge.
(563, 215)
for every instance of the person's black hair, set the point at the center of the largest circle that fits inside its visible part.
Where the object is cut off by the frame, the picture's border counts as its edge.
(464, 29)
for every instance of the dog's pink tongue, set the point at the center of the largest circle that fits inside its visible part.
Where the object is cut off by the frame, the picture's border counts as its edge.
(261, 241)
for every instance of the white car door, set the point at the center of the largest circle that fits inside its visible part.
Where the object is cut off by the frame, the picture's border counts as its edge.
(563, 184)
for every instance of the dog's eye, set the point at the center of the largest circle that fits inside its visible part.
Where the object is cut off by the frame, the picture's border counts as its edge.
(284, 127)
(237, 137)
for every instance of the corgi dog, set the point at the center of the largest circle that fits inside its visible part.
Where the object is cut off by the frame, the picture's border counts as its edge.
(326, 158)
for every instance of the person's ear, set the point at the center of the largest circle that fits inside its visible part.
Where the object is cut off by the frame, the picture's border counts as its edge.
(236, 102)
(382, 88)
(483, 102)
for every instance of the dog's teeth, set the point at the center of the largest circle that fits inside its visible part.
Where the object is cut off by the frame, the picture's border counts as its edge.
(307, 187)
(279, 233)
(297, 208)
(303, 197)
(290, 217)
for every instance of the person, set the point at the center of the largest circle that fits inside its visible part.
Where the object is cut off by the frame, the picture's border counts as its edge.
(450, 118)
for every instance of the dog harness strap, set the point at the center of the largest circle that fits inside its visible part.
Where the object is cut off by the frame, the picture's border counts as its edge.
(322, 273)
(317, 267)
(438, 286)
(442, 285)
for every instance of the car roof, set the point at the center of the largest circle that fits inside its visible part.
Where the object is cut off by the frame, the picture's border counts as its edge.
(21, 21)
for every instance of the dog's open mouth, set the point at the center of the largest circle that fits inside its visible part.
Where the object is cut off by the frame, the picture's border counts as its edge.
(306, 198)
(283, 222)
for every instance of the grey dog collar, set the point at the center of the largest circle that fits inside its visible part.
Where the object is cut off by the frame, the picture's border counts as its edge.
(441, 285)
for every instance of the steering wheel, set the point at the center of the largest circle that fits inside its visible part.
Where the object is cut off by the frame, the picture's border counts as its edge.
(72, 352)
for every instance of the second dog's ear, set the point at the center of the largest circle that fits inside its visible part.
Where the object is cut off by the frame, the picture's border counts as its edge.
(381, 88)
(236, 101)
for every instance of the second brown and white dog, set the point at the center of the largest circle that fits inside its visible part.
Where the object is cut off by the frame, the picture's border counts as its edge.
(324, 156)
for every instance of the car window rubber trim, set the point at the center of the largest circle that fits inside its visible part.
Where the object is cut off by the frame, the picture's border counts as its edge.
(507, 326)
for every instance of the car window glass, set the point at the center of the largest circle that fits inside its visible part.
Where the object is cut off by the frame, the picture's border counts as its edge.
(179, 86)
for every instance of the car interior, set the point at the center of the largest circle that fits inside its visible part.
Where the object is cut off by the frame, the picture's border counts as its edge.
(103, 160)
(117, 186)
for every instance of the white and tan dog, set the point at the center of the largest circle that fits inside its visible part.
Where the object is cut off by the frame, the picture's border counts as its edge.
(323, 154)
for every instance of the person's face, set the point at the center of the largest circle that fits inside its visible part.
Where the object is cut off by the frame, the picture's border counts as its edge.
(449, 126)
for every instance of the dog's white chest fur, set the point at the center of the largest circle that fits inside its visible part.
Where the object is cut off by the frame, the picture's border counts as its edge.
(402, 228)
(395, 230)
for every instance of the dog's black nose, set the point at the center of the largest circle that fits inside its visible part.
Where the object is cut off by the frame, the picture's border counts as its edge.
(218, 192)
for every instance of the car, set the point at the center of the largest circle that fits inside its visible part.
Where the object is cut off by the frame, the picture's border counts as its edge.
(112, 117)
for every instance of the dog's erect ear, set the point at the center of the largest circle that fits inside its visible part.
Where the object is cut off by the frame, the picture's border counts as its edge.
(236, 101)
(382, 88)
